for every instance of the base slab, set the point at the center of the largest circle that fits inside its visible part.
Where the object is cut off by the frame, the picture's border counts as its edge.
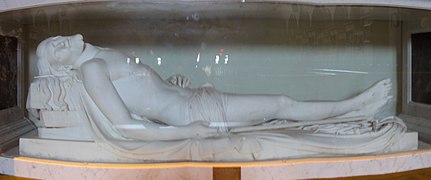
(89, 151)
(281, 169)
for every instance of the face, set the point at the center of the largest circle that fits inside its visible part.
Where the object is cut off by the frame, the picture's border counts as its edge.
(66, 49)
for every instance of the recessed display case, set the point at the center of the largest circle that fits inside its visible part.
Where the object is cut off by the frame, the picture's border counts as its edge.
(351, 81)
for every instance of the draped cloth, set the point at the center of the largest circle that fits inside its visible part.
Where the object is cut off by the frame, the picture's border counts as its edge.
(350, 138)
(207, 104)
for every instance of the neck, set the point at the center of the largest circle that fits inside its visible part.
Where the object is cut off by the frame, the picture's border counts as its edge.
(88, 53)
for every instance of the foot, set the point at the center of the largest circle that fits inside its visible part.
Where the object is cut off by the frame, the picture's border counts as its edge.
(378, 92)
(372, 100)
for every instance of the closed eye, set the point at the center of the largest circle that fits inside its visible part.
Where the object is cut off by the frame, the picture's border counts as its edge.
(58, 45)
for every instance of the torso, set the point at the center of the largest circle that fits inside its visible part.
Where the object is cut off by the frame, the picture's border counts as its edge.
(143, 91)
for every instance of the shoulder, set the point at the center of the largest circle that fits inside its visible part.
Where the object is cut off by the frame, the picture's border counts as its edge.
(93, 62)
(93, 65)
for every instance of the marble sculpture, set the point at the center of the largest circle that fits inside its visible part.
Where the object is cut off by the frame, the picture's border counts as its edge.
(130, 111)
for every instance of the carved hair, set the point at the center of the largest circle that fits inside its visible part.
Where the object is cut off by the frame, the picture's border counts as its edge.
(54, 91)
(52, 82)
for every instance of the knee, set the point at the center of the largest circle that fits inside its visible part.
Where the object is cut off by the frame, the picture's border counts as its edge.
(284, 101)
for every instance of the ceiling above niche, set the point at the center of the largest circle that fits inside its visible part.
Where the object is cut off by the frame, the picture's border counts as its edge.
(196, 11)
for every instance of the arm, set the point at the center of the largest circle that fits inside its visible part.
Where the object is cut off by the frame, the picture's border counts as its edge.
(196, 130)
(96, 80)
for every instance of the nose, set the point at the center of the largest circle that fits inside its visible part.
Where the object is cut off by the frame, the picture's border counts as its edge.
(78, 36)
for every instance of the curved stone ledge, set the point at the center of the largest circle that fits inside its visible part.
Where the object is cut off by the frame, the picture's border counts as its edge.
(8, 5)
(282, 169)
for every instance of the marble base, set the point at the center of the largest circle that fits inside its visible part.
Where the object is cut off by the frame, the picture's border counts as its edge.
(339, 167)
(69, 133)
(281, 169)
(47, 169)
(67, 150)
(89, 151)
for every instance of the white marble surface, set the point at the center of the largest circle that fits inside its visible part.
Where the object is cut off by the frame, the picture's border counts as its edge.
(46, 169)
(339, 167)
(89, 151)
(287, 169)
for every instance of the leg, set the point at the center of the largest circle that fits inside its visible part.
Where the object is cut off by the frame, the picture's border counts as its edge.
(260, 108)
(254, 108)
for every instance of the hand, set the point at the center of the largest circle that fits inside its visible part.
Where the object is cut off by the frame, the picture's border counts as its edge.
(201, 129)
(179, 80)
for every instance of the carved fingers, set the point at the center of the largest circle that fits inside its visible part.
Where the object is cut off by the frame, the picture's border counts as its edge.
(179, 80)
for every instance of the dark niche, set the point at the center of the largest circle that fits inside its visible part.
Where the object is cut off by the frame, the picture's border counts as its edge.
(8, 72)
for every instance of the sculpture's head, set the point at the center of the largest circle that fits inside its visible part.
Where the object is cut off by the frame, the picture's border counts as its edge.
(58, 51)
